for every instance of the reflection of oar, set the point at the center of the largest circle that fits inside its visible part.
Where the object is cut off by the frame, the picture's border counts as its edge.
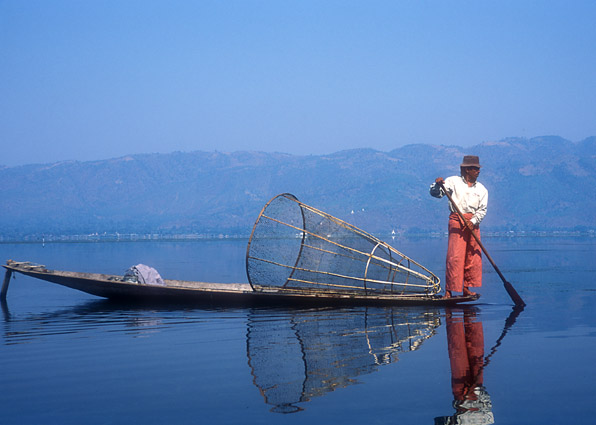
(508, 324)
(517, 309)
(508, 286)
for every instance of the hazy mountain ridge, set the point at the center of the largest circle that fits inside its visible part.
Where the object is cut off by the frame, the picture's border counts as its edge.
(544, 183)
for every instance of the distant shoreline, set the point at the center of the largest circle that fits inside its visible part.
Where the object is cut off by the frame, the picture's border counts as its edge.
(190, 237)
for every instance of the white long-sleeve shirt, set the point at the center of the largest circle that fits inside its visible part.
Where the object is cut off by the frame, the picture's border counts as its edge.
(470, 199)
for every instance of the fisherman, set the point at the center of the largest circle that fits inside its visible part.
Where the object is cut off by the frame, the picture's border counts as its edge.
(464, 259)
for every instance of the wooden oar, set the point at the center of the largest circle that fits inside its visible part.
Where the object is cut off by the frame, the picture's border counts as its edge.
(508, 286)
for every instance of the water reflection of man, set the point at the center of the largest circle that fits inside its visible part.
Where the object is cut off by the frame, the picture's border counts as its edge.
(465, 342)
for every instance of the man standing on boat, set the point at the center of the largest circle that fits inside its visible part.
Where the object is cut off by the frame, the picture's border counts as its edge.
(464, 259)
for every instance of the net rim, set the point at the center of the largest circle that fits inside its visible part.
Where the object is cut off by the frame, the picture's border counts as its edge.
(254, 227)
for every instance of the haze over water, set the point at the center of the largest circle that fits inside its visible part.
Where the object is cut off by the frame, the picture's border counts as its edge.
(71, 358)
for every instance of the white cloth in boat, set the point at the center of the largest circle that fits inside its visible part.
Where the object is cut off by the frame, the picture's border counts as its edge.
(144, 275)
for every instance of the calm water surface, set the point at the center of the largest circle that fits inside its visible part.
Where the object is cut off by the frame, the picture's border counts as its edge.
(71, 358)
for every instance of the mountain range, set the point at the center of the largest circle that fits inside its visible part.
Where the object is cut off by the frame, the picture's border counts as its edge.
(538, 184)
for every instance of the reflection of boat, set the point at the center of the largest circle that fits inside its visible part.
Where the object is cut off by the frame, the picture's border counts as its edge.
(91, 317)
(308, 353)
(113, 286)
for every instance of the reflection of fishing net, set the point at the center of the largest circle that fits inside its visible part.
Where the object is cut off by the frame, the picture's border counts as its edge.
(302, 354)
(296, 247)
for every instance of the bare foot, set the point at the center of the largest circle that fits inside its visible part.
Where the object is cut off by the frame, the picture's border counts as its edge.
(447, 294)
(468, 293)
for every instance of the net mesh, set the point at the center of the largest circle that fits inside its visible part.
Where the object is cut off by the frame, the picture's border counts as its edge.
(296, 247)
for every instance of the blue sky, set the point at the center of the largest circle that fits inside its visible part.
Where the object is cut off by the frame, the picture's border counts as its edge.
(83, 80)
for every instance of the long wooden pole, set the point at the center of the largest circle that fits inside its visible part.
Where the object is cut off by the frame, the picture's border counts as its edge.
(508, 286)
(5, 284)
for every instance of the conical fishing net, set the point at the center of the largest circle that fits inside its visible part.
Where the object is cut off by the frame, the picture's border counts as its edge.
(296, 247)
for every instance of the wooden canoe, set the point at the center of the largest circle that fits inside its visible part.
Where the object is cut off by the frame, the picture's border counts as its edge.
(115, 287)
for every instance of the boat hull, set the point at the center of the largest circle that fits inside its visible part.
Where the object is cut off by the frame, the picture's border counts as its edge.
(114, 287)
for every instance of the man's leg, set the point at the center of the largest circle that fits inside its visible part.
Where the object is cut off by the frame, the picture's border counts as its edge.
(473, 264)
(456, 256)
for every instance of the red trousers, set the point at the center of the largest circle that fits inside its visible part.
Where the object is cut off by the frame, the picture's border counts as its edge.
(464, 256)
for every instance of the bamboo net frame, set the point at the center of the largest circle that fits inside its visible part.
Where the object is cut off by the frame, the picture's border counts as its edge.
(296, 247)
